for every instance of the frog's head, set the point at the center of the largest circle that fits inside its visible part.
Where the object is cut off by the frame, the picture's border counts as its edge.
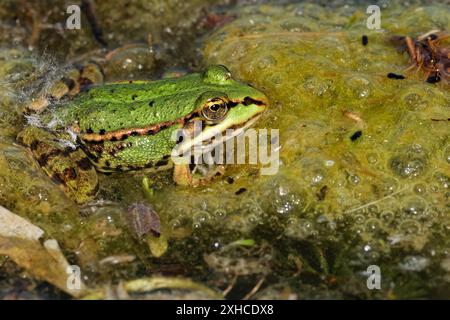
(225, 104)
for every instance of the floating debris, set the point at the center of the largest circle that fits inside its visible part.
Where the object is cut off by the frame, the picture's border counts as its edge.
(427, 54)
(143, 219)
(364, 40)
(391, 75)
(356, 135)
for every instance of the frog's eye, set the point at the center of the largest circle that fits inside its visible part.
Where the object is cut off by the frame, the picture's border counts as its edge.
(217, 74)
(215, 109)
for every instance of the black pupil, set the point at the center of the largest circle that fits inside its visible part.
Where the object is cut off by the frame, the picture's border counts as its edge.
(215, 107)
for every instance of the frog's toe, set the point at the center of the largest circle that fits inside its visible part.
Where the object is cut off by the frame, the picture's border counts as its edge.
(184, 176)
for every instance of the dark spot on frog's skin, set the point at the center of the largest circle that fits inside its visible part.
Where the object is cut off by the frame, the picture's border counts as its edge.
(134, 133)
(70, 173)
(124, 137)
(133, 97)
(89, 130)
(94, 191)
(34, 145)
(161, 163)
(241, 190)
(108, 164)
(84, 164)
(151, 103)
(118, 168)
(86, 83)
(43, 159)
(119, 148)
(57, 179)
(356, 135)
(149, 165)
(113, 139)
(97, 148)
(322, 193)
(230, 180)
(131, 81)
(249, 101)
(70, 83)
(67, 151)
(102, 131)
(364, 40)
(166, 157)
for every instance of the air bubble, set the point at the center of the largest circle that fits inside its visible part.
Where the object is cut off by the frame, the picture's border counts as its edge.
(415, 206)
(373, 225)
(266, 62)
(354, 179)
(442, 180)
(372, 158)
(410, 227)
(447, 154)
(300, 228)
(445, 264)
(294, 26)
(414, 102)
(200, 217)
(420, 188)
(359, 218)
(407, 167)
(360, 86)
(220, 213)
(387, 216)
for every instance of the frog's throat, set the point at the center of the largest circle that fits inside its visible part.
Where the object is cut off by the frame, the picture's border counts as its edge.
(123, 134)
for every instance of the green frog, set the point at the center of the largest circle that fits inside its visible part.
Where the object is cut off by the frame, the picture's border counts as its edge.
(124, 126)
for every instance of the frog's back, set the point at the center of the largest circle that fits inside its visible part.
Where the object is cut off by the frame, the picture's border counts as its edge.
(115, 106)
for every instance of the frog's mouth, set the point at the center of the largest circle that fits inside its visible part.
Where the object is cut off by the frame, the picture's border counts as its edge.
(204, 136)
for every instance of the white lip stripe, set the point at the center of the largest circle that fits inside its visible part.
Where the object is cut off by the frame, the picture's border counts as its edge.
(183, 147)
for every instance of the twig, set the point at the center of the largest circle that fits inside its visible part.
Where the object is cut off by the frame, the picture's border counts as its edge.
(255, 288)
(230, 287)
(376, 201)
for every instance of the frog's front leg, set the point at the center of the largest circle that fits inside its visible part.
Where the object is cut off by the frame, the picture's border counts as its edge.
(183, 175)
(66, 166)
(69, 85)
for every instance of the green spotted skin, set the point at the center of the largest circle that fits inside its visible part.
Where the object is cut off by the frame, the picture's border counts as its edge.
(129, 125)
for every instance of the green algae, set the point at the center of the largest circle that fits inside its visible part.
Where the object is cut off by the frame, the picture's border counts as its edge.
(391, 180)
